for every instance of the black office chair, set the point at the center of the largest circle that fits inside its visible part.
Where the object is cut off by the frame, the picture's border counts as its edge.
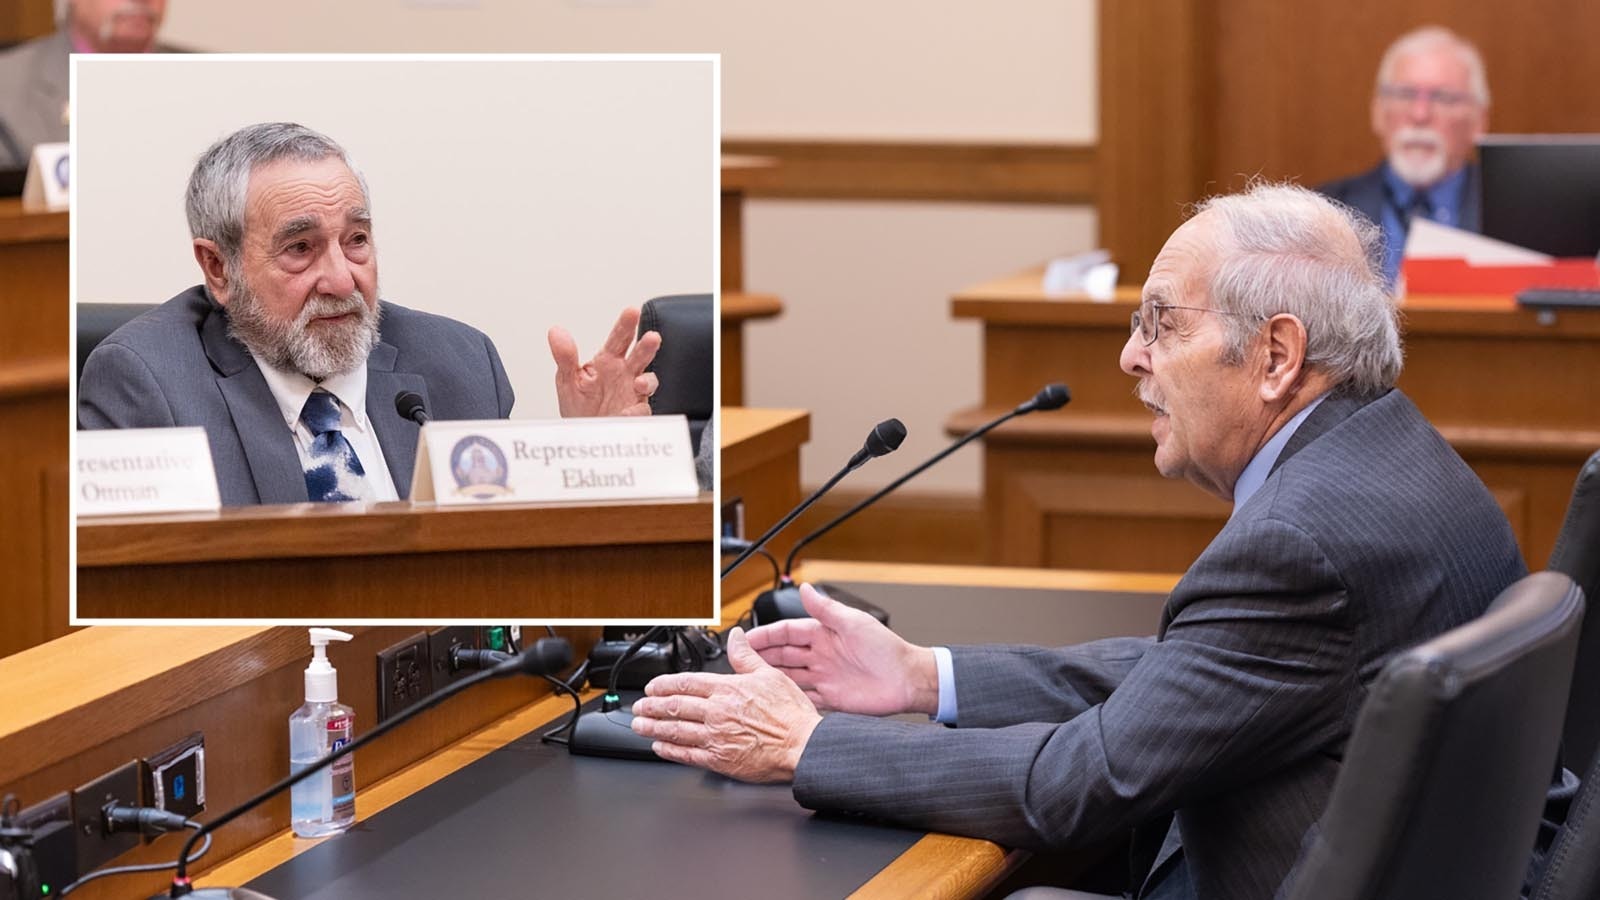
(96, 321)
(1577, 555)
(685, 362)
(1445, 776)
(1572, 865)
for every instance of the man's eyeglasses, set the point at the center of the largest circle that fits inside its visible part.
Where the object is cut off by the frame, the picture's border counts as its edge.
(1146, 320)
(1405, 94)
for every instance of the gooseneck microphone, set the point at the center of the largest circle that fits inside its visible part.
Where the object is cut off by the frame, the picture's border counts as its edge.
(783, 601)
(546, 657)
(410, 406)
(886, 436)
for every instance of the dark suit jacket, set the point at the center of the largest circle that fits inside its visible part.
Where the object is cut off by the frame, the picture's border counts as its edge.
(1369, 536)
(1366, 193)
(33, 96)
(177, 366)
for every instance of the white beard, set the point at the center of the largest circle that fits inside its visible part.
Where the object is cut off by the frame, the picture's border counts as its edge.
(291, 346)
(1420, 167)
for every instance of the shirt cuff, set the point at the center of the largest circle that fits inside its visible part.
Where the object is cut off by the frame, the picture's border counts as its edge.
(947, 686)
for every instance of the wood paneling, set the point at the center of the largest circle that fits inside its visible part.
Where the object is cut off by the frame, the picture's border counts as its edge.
(1512, 391)
(24, 19)
(34, 426)
(761, 468)
(983, 173)
(625, 559)
(1196, 97)
(907, 526)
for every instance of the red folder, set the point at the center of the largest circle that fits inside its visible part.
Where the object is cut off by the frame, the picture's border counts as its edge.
(1457, 276)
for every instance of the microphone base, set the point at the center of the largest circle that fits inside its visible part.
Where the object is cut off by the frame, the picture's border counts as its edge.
(784, 603)
(609, 734)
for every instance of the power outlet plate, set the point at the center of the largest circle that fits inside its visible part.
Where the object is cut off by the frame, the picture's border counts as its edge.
(404, 675)
(178, 777)
(55, 841)
(96, 846)
(441, 642)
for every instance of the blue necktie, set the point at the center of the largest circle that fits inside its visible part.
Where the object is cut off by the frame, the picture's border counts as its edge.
(333, 460)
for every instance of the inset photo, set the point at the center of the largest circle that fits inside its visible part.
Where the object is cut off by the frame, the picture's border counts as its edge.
(394, 338)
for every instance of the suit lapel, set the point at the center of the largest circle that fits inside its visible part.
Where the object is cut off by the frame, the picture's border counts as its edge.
(1338, 406)
(268, 446)
(396, 436)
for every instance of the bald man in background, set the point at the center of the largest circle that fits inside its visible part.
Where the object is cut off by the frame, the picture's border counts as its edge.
(34, 75)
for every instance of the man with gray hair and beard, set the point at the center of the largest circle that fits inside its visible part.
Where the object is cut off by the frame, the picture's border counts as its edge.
(1265, 347)
(286, 357)
(1429, 108)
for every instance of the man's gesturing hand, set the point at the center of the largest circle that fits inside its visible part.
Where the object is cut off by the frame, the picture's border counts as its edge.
(846, 660)
(615, 382)
(752, 725)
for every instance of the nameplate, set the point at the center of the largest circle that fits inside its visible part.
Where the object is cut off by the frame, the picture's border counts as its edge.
(522, 460)
(145, 470)
(49, 179)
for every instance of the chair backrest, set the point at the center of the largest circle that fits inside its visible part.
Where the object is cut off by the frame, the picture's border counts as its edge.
(1445, 776)
(685, 362)
(1577, 555)
(1572, 864)
(96, 321)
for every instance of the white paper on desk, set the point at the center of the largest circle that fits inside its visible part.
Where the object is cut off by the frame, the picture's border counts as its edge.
(1092, 273)
(1430, 240)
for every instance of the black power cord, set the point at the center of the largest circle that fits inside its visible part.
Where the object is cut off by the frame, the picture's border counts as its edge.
(147, 821)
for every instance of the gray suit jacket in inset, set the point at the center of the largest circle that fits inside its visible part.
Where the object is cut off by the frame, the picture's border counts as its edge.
(33, 96)
(177, 366)
(1369, 536)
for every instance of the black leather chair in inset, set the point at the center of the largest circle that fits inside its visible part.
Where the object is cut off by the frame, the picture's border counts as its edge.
(1577, 555)
(96, 321)
(684, 363)
(1444, 779)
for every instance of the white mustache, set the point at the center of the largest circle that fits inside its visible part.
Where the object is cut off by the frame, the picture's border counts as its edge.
(326, 305)
(1148, 396)
(1415, 134)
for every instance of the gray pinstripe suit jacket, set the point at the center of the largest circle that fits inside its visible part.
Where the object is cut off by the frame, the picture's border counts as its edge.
(177, 366)
(1369, 536)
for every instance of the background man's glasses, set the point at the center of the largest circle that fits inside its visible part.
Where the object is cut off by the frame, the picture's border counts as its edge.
(1405, 94)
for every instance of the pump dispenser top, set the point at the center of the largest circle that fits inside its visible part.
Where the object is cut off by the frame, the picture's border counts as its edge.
(322, 680)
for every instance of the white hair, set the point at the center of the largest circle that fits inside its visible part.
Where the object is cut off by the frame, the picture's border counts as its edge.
(221, 178)
(1285, 249)
(1433, 37)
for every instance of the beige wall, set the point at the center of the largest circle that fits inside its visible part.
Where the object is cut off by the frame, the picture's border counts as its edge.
(937, 69)
(863, 282)
(511, 195)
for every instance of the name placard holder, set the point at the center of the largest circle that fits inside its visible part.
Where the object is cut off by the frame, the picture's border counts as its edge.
(46, 188)
(145, 470)
(523, 460)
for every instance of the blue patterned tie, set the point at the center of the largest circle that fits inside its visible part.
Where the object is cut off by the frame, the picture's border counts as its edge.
(334, 474)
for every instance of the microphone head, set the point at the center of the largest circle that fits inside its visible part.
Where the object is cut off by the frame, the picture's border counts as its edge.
(547, 656)
(1052, 396)
(886, 437)
(409, 405)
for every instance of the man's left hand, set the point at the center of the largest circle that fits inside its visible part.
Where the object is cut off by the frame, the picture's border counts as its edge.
(615, 382)
(752, 725)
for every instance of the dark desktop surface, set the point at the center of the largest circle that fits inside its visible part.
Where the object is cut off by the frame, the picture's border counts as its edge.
(529, 819)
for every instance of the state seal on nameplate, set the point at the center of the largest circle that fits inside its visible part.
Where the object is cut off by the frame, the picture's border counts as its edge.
(479, 467)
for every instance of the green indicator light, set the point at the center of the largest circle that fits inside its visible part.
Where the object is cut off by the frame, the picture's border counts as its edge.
(44, 889)
(613, 696)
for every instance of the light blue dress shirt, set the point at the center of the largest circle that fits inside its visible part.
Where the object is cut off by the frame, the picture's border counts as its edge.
(1445, 198)
(1249, 481)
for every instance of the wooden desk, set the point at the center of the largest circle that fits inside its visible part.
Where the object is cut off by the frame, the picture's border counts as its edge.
(739, 175)
(34, 424)
(518, 562)
(937, 866)
(1514, 393)
(761, 468)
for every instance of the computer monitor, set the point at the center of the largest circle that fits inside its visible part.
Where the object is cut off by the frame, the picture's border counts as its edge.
(1542, 191)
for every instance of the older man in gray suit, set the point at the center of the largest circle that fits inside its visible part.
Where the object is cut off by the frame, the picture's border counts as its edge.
(285, 356)
(1265, 345)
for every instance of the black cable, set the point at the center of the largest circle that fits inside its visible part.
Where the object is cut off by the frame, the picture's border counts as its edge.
(147, 867)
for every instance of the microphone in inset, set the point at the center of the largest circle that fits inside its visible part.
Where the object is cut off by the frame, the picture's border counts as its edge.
(410, 406)
(885, 437)
(546, 657)
(783, 601)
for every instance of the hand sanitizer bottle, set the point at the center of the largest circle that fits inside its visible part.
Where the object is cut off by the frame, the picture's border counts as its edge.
(324, 803)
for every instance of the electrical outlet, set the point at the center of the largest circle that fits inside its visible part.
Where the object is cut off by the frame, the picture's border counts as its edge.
(55, 841)
(403, 675)
(96, 845)
(441, 644)
(177, 781)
